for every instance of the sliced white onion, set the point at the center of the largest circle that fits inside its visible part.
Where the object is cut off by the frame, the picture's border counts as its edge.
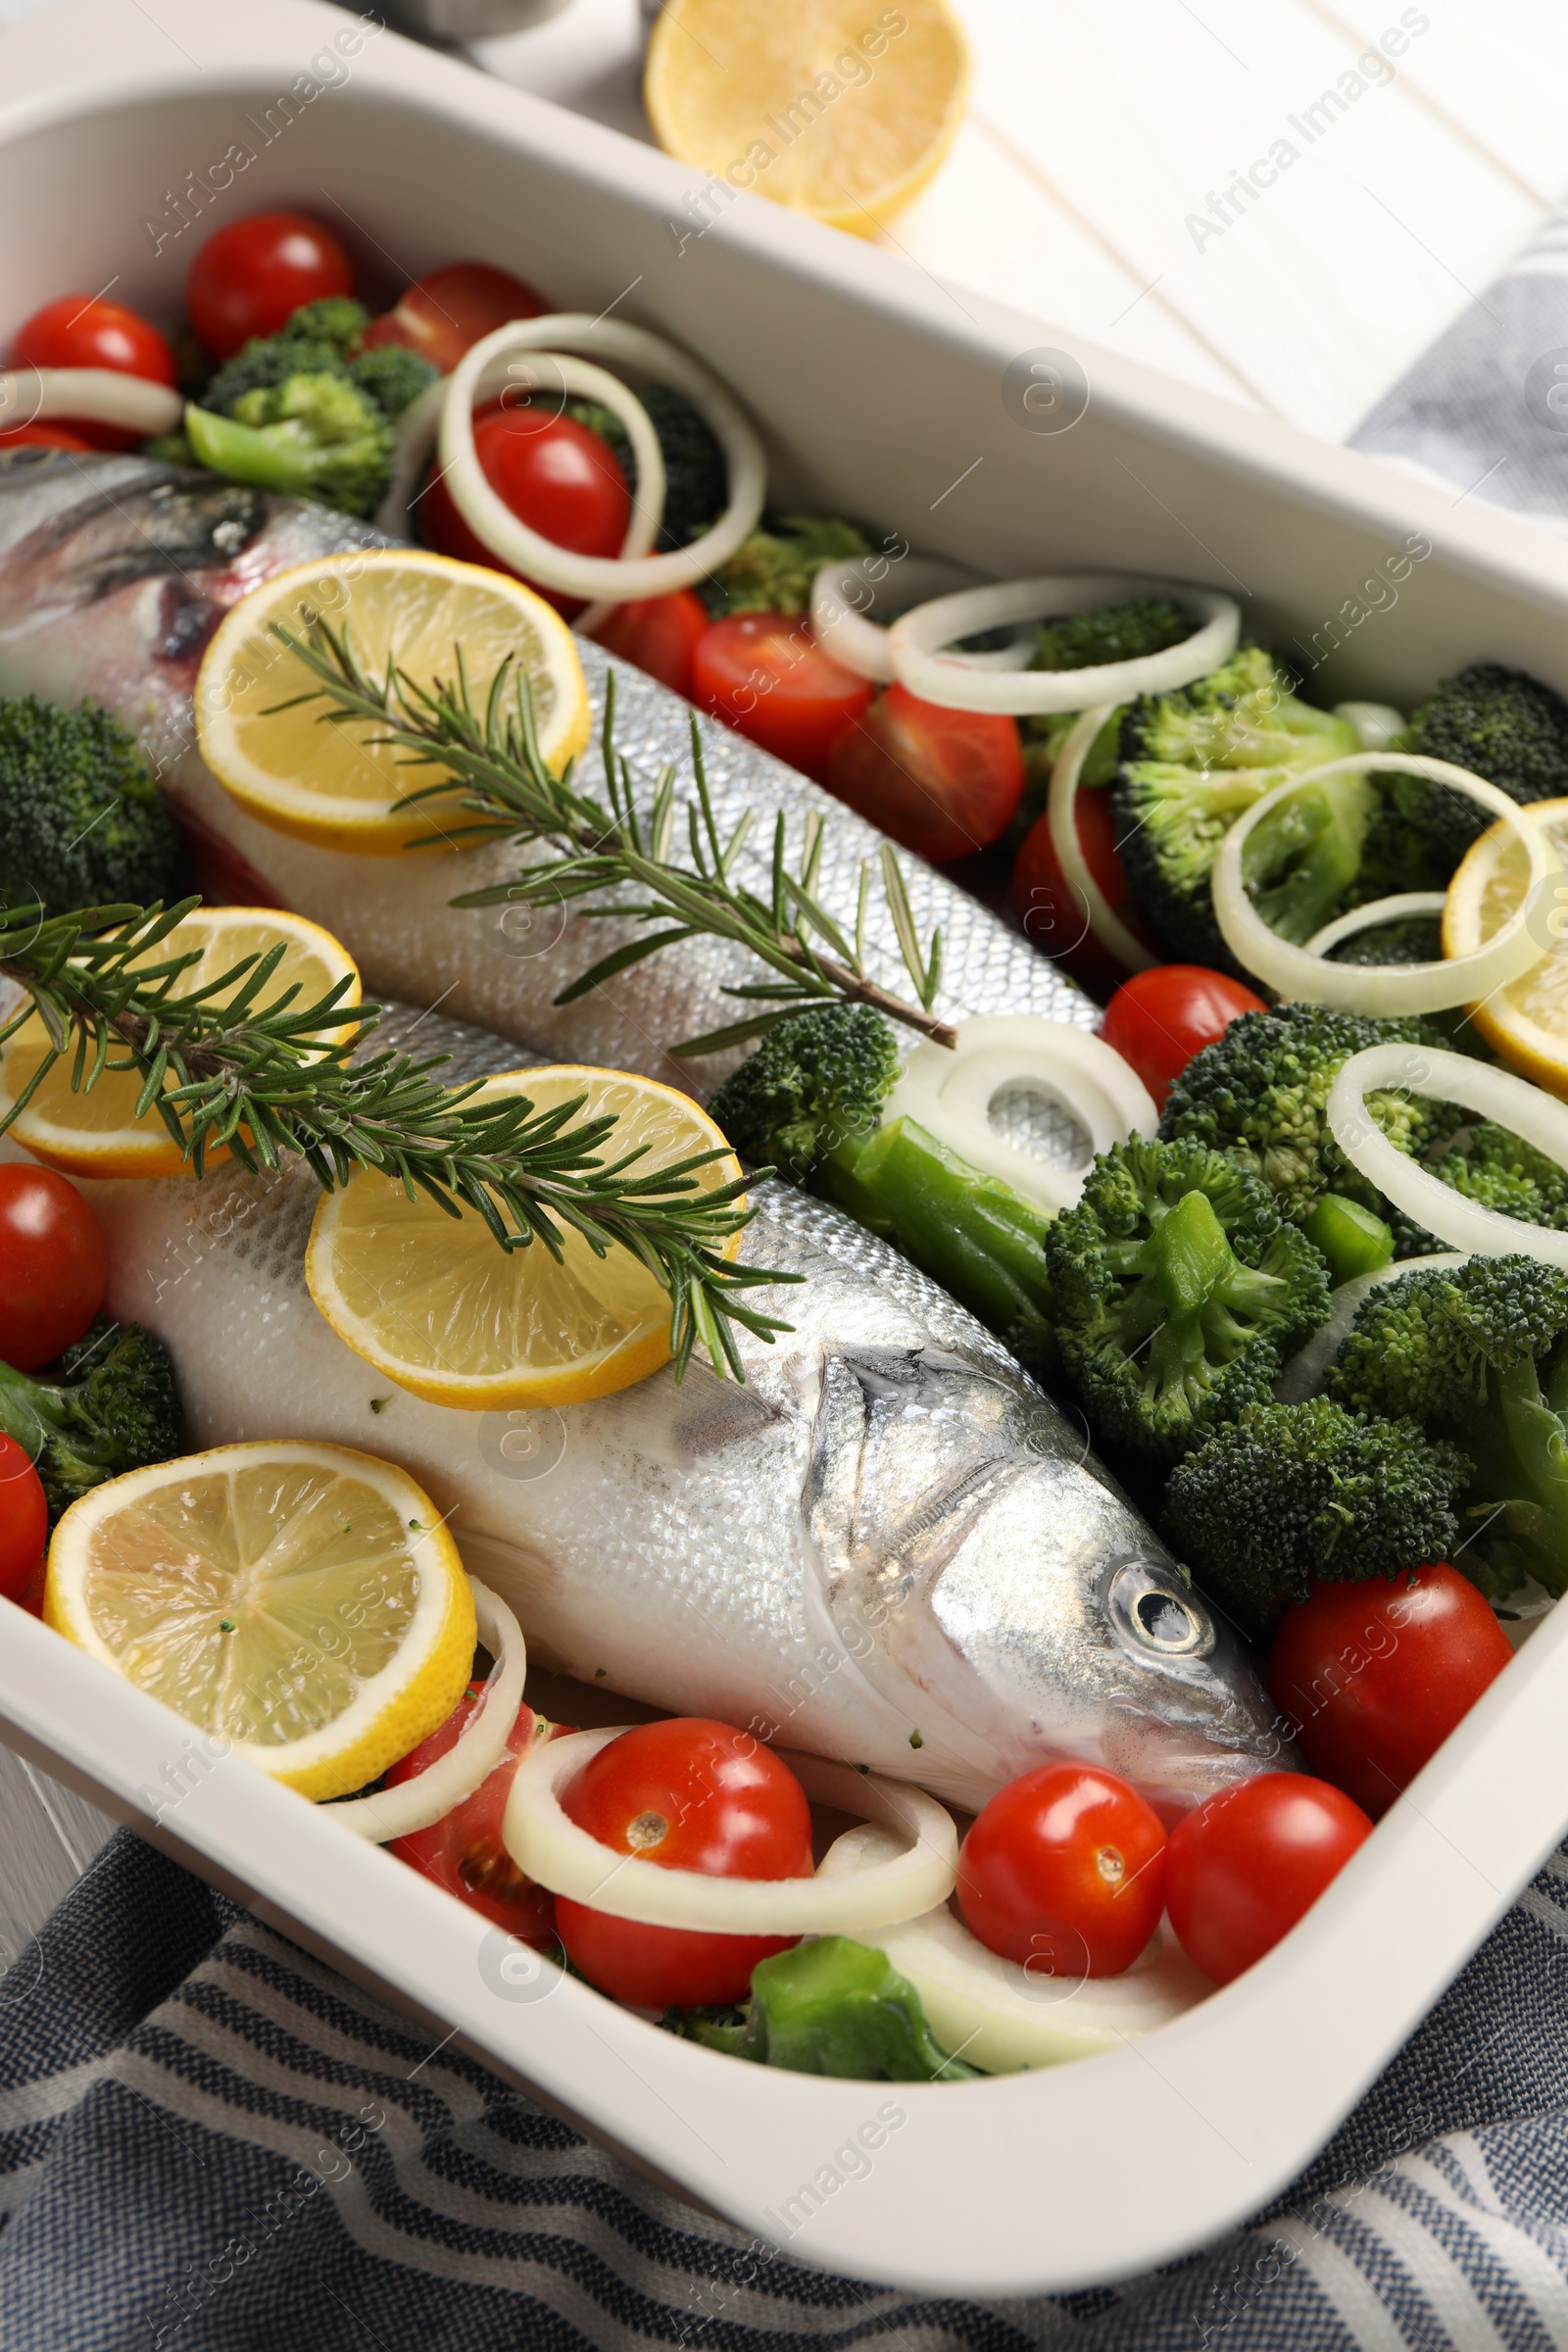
(917, 640)
(1302, 1377)
(843, 596)
(1404, 903)
(1062, 816)
(472, 1758)
(102, 395)
(1540, 1118)
(949, 1090)
(1396, 988)
(618, 581)
(555, 1853)
(999, 2016)
(1378, 724)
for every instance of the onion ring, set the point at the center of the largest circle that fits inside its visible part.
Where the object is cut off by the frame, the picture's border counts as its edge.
(1538, 1117)
(842, 625)
(613, 578)
(1403, 904)
(556, 1853)
(472, 1757)
(1378, 724)
(1401, 988)
(917, 640)
(949, 1091)
(1061, 812)
(101, 395)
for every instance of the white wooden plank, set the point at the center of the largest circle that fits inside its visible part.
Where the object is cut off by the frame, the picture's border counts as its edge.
(47, 1837)
(1498, 71)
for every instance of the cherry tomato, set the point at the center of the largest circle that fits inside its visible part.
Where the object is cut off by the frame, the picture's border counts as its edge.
(659, 635)
(1245, 1866)
(1064, 1872)
(692, 1795)
(23, 1520)
(54, 1265)
(557, 476)
(249, 278)
(1376, 1675)
(944, 783)
(48, 433)
(445, 312)
(463, 1852)
(1158, 1019)
(1051, 911)
(83, 330)
(765, 675)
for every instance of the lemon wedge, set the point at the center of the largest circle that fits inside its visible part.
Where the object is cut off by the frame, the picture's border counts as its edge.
(94, 1131)
(825, 105)
(433, 1303)
(336, 785)
(1525, 1023)
(301, 1601)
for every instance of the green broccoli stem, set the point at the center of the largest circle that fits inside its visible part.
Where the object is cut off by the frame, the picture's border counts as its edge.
(1520, 1489)
(30, 1411)
(831, 2007)
(971, 1232)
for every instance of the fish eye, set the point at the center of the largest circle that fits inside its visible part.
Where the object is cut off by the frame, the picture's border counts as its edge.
(1153, 1613)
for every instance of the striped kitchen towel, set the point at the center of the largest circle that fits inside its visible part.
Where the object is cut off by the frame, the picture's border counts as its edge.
(211, 2141)
(1486, 407)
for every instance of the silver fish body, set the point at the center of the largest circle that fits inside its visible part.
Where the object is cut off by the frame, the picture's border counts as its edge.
(114, 573)
(887, 1546)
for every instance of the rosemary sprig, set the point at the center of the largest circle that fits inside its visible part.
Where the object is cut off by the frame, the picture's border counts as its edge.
(223, 1070)
(497, 783)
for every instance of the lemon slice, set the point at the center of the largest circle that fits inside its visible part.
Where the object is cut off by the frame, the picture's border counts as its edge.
(336, 785)
(433, 1302)
(1526, 1023)
(94, 1131)
(302, 1601)
(813, 103)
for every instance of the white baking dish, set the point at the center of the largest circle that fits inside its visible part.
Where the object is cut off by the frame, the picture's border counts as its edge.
(886, 395)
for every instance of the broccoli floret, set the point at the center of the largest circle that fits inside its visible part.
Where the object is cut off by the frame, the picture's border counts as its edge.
(1477, 1352)
(1291, 1493)
(772, 570)
(1260, 1093)
(1145, 624)
(319, 339)
(113, 1407)
(815, 1079)
(315, 436)
(1501, 724)
(393, 376)
(829, 2007)
(696, 478)
(1494, 1168)
(81, 821)
(1194, 760)
(1178, 1289)
(1408, 939)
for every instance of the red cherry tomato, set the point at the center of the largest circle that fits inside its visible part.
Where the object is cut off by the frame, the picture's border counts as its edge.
(54, 1265)
(691, 1795)
(945, 783)
(765, 675)
(1376, 1675)
(1052, 911)
(659, 635)
(1158, 1019)
(1245, 1866)
(249, 278)
(83, 330)
(1064, 1872)
(555, 476)
(445, 312)
(48, 434)
(23, 1520)
(463, 1852)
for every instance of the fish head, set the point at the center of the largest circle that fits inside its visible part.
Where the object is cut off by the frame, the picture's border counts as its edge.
(991, 1578)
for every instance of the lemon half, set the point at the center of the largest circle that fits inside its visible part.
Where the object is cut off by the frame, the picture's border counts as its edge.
(301, 1601)
(1526, 1023)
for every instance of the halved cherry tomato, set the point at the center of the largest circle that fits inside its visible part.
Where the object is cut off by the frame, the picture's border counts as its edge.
(23, 1521)
(557, 476)
(1064, 1872)
(944, 783)
(659, 635)
(1053, 912)
(445, 312)
(54, 1265)
(46, 433)
(692, 1795)
(1245, 1866)
(249, 278)
(463, 1852)
(766, 677)
(83, 330)
(1376, 1675)
(1158, 1019)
